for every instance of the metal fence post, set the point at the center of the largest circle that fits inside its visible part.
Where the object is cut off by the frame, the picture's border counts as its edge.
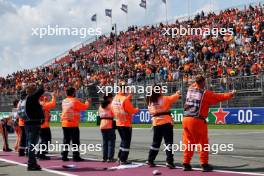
(182, 90)
(261, 83)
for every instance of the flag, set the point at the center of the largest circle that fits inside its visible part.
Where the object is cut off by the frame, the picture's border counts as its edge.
(108, 12)
(124, 8)
(164, 1)
(143, 4)
(93, 18)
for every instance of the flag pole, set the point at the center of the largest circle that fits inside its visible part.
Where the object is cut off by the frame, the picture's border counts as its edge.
(126, 21)
(96, 26)
(96, 21)
(188, 9)
(116, 55)
(111, 23)
(145, 16)
(166, 12)
(127, 14)
(211, 4)
(147, 11)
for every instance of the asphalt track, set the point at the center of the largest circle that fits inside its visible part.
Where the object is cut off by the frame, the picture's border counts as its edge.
(246, 158)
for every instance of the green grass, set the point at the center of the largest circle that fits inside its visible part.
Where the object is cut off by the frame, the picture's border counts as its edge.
(179, 126)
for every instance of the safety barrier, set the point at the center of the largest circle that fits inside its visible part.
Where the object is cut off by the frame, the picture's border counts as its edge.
(215, 116)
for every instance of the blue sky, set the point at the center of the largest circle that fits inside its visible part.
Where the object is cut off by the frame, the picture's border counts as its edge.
(20, 50)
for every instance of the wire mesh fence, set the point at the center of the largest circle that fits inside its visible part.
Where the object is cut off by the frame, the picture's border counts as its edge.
(250, 92)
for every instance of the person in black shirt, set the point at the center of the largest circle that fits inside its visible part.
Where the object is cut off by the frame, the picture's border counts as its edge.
(36, 117)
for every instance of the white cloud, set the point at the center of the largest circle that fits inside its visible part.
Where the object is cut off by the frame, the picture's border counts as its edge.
(6, 6)
(19, 49)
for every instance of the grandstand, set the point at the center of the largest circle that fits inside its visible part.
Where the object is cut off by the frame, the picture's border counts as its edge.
(145, 57)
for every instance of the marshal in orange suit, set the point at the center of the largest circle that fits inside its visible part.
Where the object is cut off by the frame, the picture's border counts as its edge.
(71, 108)
(123, 111)
(195, 130)
(45, 132)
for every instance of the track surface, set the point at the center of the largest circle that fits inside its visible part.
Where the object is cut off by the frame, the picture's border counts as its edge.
(248, 154)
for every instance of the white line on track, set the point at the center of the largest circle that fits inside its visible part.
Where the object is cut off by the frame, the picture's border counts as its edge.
(235, 134)
(93, 159)
(242, 173)
(223, 171)
(43, 169)
(244, 157)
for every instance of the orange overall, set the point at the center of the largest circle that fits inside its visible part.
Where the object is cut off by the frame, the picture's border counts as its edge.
(195, 129)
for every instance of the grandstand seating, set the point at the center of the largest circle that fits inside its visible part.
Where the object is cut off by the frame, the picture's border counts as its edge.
(146, 56)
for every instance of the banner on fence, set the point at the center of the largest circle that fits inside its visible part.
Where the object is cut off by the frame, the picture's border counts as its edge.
(4, 115)
(215, 116)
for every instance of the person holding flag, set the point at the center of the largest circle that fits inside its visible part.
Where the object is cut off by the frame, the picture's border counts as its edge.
(195, 130)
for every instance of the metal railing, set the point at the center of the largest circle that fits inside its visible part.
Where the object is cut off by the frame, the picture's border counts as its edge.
(250, 92)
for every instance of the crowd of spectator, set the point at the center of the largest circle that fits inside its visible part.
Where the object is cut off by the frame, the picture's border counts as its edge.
(144, 53)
